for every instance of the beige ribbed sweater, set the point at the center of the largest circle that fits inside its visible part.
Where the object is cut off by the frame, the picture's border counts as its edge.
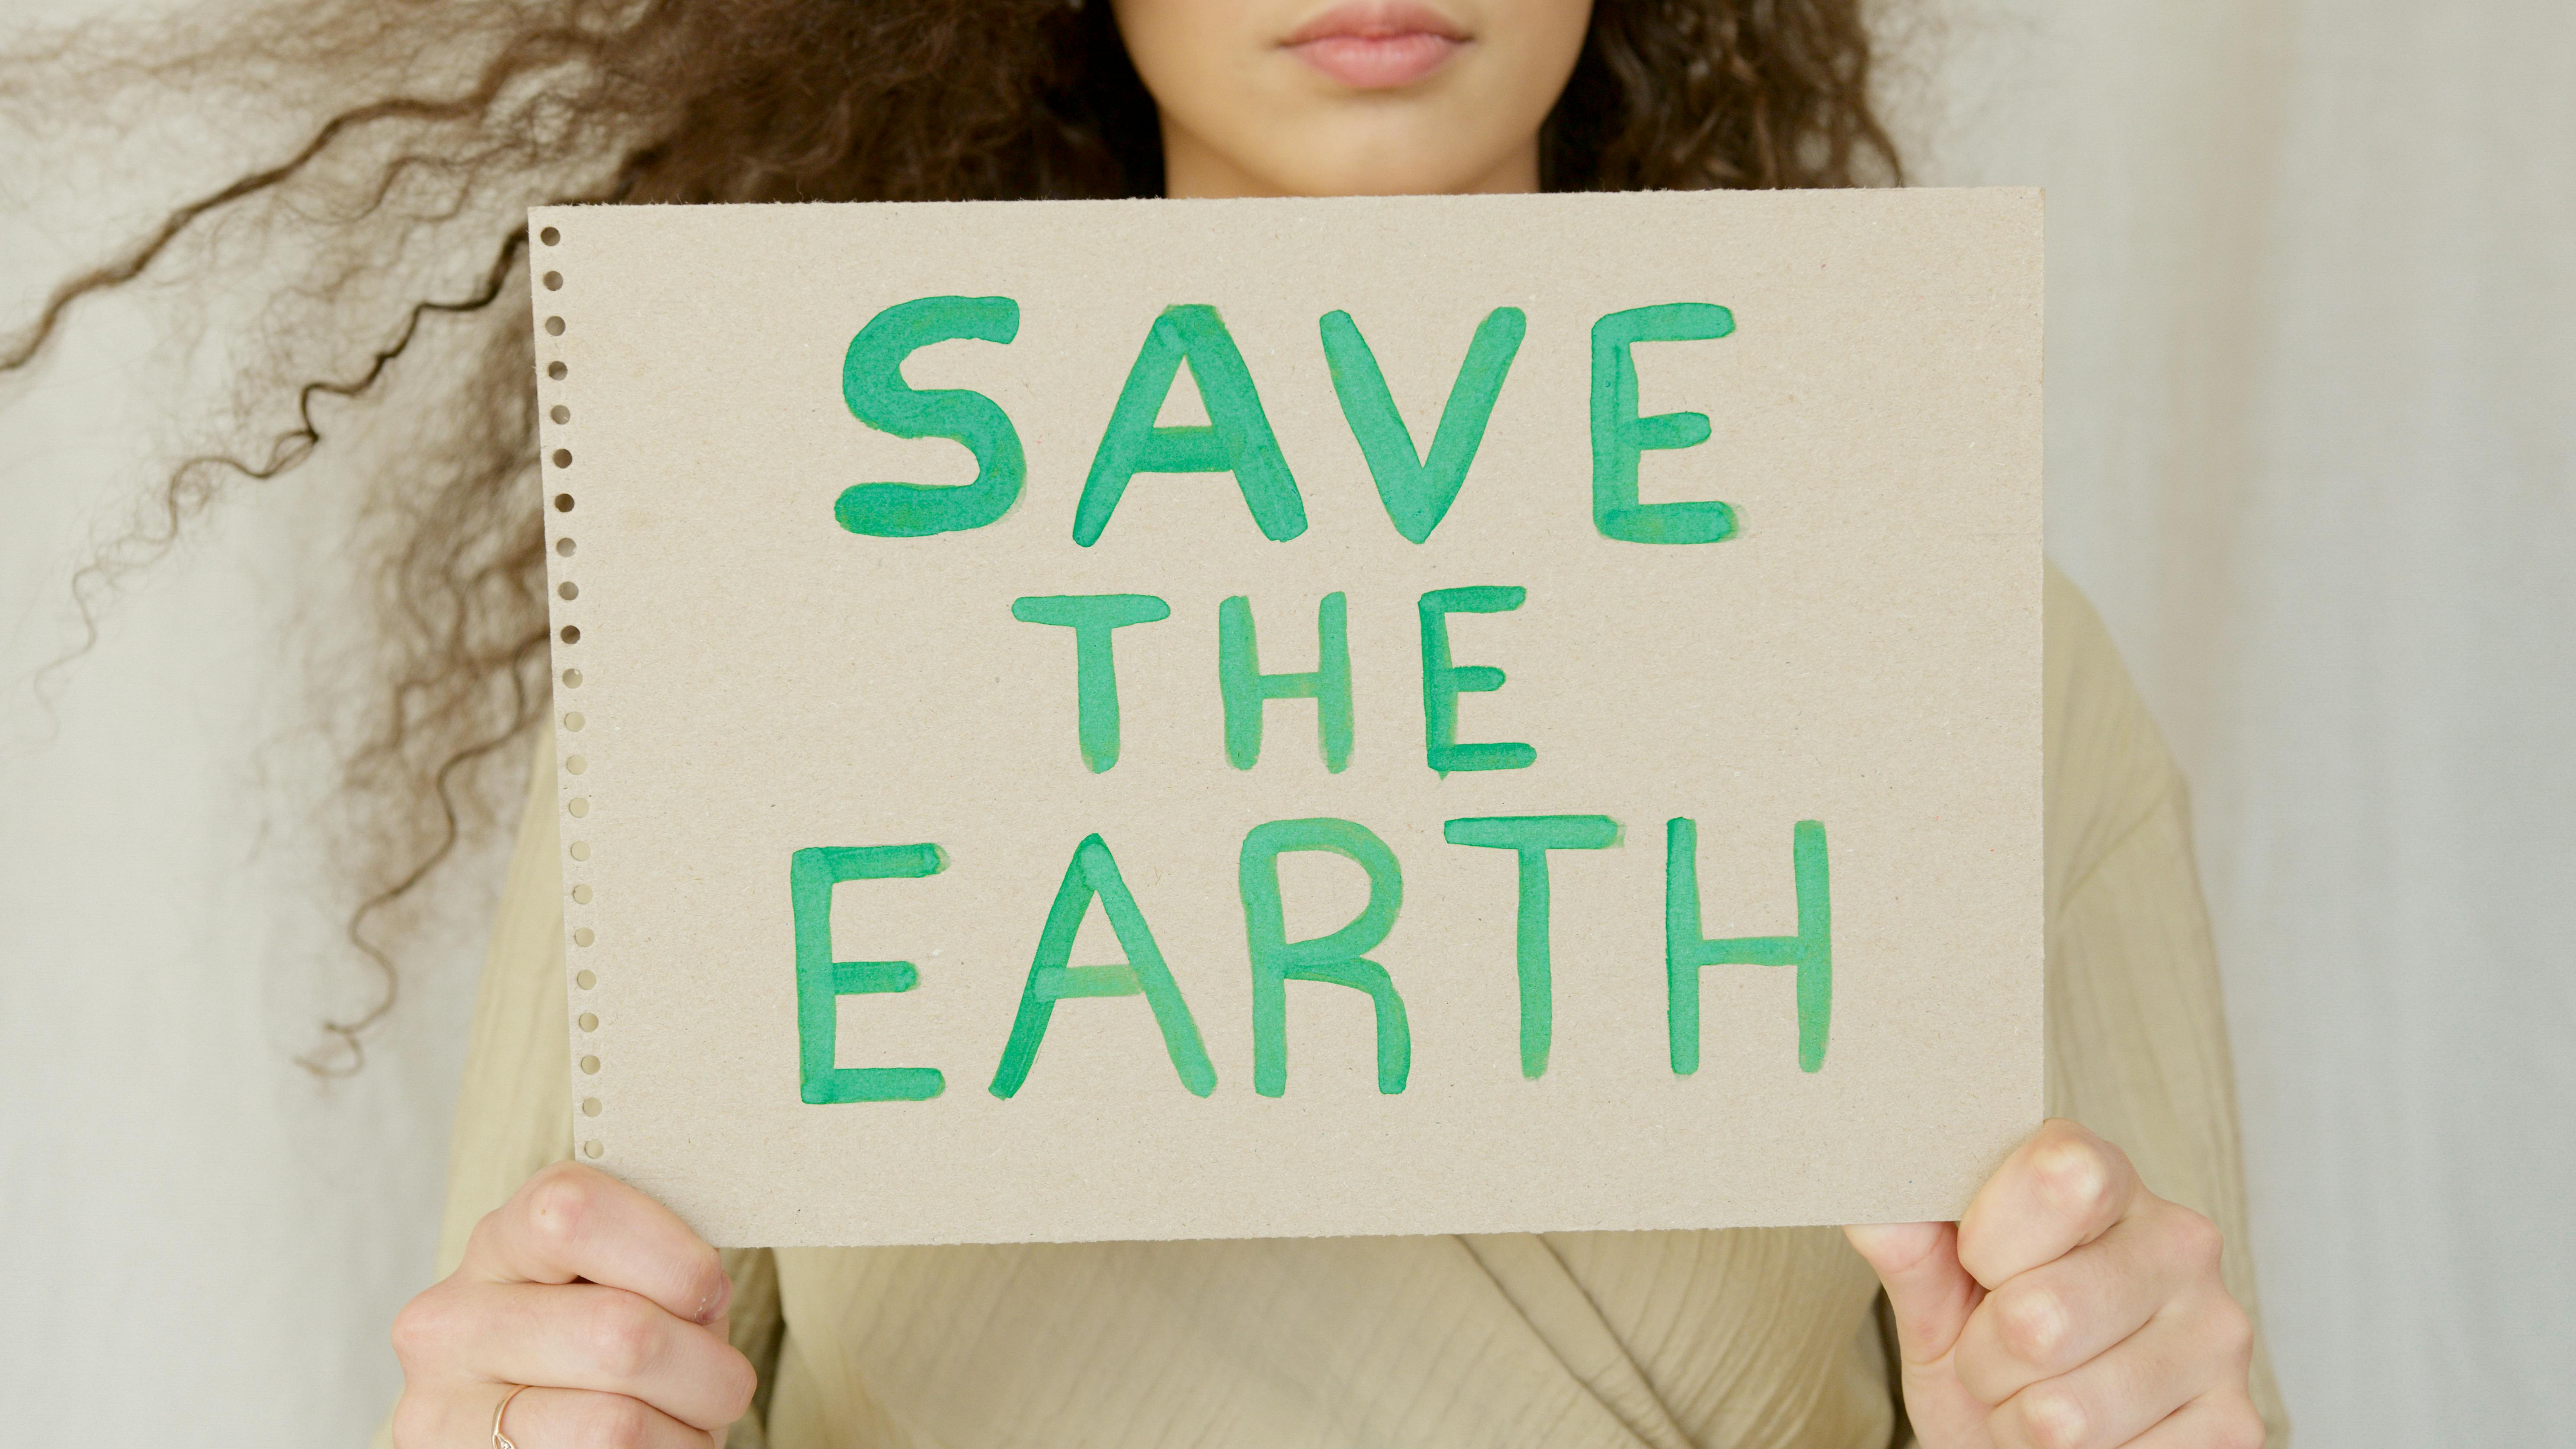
(1671, 1339)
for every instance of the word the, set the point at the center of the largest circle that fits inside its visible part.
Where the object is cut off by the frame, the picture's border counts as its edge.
(1246, 689)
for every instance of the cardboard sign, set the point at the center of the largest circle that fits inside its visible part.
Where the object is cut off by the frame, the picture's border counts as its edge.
(1148, 719)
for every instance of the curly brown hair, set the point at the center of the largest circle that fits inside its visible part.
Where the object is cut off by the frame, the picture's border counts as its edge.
(449, 119)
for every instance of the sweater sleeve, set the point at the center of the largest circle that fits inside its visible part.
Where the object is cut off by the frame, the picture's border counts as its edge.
(2137, 1033)
(514, 1111)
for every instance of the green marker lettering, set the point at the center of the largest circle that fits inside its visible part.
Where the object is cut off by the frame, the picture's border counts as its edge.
(1236, 438)
(1418, 490)
(1247, 689)
(872, 385)
(1095, 665)
(1685, 952)
(1619, 435)
(821, 981)
(1443, 682)
(1336, 958)
(1052, 977)
(1533, 836)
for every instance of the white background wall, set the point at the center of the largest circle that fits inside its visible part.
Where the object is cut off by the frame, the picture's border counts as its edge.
(2312, 448)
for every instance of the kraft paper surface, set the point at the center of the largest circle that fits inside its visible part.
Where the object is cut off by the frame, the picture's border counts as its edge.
(803, 720)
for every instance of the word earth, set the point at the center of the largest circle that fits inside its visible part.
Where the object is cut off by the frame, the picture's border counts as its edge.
(1339, 958)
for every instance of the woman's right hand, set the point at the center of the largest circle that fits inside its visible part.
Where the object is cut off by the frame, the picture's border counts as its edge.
(596, 1297)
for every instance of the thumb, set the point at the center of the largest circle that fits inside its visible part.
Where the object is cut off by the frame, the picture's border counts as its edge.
(1930, 1296)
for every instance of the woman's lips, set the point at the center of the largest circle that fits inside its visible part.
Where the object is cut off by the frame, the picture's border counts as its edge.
(1376, 46)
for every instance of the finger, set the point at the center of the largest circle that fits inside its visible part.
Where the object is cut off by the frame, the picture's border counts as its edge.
(2059, 1315)
(2185, 1352)
(1930, 1294)
(2220, 1419)
(577, 1419)
(570, 1222)
(2058, 1191)
(607, 1340)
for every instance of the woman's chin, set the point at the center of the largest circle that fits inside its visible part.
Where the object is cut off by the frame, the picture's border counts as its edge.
(1377, 167)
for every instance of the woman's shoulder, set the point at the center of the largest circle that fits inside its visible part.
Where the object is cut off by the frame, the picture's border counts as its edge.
(2105, 763)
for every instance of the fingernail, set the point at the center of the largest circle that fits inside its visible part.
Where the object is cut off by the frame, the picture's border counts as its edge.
(718, 1299)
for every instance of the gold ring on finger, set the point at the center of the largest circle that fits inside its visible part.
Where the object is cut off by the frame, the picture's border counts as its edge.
(499, 1439)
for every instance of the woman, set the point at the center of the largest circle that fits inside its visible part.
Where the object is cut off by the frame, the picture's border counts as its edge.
(2072, 1306)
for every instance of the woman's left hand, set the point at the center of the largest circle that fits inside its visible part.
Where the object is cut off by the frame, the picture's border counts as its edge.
(2069, 1309)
